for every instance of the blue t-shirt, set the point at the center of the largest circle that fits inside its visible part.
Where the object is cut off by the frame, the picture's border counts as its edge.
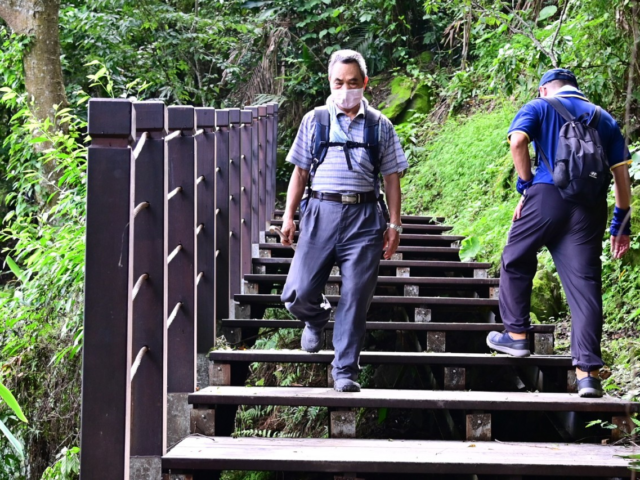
(541, 124)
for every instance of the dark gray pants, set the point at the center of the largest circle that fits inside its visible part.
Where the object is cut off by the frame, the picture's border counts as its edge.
(573, 234)
(350, 236)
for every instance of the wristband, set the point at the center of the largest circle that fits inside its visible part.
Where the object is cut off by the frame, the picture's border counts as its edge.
(616, 222)
(522, 185)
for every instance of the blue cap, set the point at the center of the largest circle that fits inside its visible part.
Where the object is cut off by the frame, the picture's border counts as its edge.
(558, 74)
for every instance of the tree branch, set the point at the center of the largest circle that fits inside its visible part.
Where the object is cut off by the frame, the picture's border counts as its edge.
(562, 14)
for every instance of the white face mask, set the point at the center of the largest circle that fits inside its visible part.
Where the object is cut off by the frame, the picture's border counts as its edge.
(347, 98)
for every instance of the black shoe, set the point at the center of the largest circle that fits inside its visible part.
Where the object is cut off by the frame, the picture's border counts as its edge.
(590, 387)
(502, 342)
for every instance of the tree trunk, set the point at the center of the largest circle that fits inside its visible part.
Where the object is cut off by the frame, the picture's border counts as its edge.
(42, 67)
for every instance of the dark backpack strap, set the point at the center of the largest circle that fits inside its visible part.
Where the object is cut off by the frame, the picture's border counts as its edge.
(372, 138)
(560, 108)
(320, 138)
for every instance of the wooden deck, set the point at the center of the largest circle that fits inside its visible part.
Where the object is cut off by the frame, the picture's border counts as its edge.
(397, 457)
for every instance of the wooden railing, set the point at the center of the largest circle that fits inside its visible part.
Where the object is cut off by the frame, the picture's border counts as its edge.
(175, 199)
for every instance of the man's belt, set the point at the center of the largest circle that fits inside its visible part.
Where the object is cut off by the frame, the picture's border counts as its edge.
(346, 199)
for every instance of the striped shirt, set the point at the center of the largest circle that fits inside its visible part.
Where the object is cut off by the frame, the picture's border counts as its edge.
(333, 175)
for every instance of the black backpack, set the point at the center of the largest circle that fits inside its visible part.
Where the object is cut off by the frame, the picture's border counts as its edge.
(581, 171)
(321, 144)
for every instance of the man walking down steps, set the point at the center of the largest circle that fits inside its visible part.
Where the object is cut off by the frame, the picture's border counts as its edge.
(342, 147)
(564, 208)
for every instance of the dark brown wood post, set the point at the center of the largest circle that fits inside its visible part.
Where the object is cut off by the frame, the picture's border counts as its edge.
(149, 386)
(271, 164)
(205, 239)
(255, 169)
(235, 275)
(181, 270)
(275, 158)
(246, 164)
(222, 214)
(262, 167)
(106, 388)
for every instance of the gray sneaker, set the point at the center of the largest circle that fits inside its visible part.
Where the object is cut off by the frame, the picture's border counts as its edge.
(311, 339)
(346, 385)
(590, 387)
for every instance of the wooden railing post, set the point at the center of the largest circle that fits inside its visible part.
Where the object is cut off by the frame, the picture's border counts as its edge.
(148, 387)
(262, 166)
(222, 214)
(205, 239)
(275, 159)
(270, 164)
(235, 276)
(255, 173)
(181, 270)
(246, 165)
(106, 387)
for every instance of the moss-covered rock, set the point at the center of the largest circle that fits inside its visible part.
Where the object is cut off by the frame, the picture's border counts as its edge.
(398, 99)
(546, 298)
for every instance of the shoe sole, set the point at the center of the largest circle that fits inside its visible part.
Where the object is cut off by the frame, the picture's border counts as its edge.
(514, 352)
(350, 389)
(589, 393)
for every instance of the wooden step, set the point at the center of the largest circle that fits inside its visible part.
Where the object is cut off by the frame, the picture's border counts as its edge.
(396, 457)
(404, 218)
(431, 251)
(406, 326)
(408, 228)
(379, 358)
(422, 399)
(422, 264)
(435, 282)
(407, 239)
(269, 299)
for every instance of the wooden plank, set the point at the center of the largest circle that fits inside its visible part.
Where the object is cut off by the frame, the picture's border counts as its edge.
(278, 247)
(222, 214)
(375, 358)
(409, 228)
(275, 158)
(181, 368)
(235, 252)
(205, 229)
(270, 194)
(404, 218)
(106, 362)
(444, 265)
(421, 399)
(457, 282)
(414, 238)
(427, 326)
(263, 299)
(148, 388)
(246, 164)
(395, 457)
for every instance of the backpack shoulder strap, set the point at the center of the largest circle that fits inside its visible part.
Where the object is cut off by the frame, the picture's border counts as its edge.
(372, 132)
(321, 137)
(560, 108)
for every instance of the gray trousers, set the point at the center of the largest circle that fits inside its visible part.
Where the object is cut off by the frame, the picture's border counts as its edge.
(350, 236)
(573, 234)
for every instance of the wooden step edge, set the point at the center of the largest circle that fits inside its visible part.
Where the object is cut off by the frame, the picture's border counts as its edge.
(417, 326)
(439, 264)
(419, 399)
(406, 236)
(379, 358)
(409, 226)
(396, 457)
(388, 280)
(274, 299)
(401, 248)
(404, 218)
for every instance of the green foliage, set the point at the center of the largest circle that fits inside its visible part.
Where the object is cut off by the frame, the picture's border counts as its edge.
(466, 175)
(67, 466)
(10, 400)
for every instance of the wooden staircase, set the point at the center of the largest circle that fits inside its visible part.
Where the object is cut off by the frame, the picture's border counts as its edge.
(496, 416)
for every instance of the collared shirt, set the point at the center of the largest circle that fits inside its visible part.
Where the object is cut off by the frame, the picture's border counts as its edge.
(541, 124)
(333, 175)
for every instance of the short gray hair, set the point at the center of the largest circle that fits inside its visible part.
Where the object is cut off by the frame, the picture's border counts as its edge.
(348, 56)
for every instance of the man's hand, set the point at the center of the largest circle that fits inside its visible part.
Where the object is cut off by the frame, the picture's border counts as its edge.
(391, 241)
(620, 245)
(288, 230)
(518, 212)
